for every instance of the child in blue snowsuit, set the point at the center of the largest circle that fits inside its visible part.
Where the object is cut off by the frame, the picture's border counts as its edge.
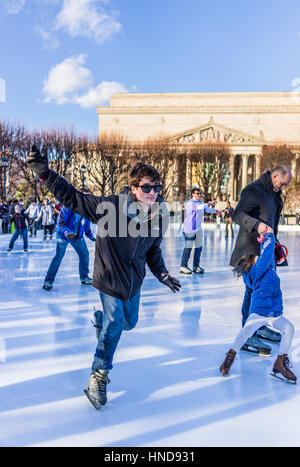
(266, 308)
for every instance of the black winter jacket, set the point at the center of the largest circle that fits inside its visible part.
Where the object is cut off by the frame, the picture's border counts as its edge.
(258, 203)
(20, 220)
(120, 258)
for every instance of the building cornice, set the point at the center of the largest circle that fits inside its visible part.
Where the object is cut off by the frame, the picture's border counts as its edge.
(268, 109)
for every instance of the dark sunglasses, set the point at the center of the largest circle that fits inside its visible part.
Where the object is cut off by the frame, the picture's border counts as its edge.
(198, 193)
(148, 188)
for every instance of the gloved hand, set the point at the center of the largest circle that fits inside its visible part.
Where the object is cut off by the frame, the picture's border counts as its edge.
(71, 236)
(171, 282)
(38, 163)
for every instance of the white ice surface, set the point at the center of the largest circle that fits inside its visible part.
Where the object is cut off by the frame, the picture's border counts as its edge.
(165, 385)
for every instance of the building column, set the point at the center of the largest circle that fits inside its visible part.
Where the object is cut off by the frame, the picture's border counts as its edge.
(294, 165)
(257, 166)
(231, 180)
(189, 176)
(244, 170)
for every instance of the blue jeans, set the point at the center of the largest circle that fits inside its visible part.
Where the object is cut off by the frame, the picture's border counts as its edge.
(117, 316)
(190, 241)
(23, 233)
(61, 246)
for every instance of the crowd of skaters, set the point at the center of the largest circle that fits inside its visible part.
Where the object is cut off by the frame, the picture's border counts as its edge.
(23, 219)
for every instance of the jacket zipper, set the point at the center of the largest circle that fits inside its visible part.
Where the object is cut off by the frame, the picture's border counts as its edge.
(131, 267)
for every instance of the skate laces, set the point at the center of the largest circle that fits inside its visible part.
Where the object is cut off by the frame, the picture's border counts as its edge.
(229, 358)
(101, 381)
(287, 363)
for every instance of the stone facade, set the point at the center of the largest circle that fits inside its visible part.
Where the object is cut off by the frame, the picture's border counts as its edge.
(245, 121)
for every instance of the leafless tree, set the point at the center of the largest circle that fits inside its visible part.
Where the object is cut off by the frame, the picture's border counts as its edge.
(164, 157)
(209, 165)
(106, 162)
(273, 156)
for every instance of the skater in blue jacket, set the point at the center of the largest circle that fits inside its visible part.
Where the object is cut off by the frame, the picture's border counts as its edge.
(71, 228)
(266, 308)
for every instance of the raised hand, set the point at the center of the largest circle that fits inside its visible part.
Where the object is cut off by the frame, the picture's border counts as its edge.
(38, 163)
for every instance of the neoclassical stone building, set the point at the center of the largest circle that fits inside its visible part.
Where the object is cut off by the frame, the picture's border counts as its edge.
(245, 121)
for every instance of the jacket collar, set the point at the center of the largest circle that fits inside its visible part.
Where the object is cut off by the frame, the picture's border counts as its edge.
(266, 181)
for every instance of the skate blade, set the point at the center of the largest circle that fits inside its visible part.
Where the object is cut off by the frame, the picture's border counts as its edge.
(259, 352)
(285, 380)
(93, 401)
(269, 340)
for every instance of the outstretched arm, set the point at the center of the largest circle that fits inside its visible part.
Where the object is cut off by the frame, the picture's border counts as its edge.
(84, 204)
(266, 255)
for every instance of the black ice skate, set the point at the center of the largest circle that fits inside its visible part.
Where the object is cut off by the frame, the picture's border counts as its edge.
(281, 370)
(48, 285)
(96, 390)
(268, 334)
(86, 281)
(257, 346)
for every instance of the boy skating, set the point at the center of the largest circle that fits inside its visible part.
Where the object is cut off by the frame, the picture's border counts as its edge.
(130, 231)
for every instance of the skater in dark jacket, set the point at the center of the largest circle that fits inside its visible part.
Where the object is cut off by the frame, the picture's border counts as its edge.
(20, 220)
(260, 275)
(260, 205)
(129, 234)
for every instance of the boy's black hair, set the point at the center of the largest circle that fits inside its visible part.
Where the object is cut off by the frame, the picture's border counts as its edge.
(244, 265)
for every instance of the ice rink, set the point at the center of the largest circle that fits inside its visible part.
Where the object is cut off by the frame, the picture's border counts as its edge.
(165, 387)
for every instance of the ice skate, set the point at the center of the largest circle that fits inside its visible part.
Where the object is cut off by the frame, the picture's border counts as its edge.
(97, 323)
(268, 334)
(198, 270)
(257, 346)
(227, 364)
(96, 390)
(281, 370)
(48, 285)
(86, 281)
(184, 270)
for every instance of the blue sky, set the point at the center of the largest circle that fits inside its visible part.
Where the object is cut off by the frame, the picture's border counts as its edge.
(60, 58)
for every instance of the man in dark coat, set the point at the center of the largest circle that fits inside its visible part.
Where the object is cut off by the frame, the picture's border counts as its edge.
(130, 229)
(260, 205)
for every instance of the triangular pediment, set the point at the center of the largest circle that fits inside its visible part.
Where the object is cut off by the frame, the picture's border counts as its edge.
(213, 132)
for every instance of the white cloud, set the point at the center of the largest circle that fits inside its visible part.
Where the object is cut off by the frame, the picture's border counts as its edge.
(71, 82)
(100, 94)
(65, 79)
(14, 7)
(87, 18)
